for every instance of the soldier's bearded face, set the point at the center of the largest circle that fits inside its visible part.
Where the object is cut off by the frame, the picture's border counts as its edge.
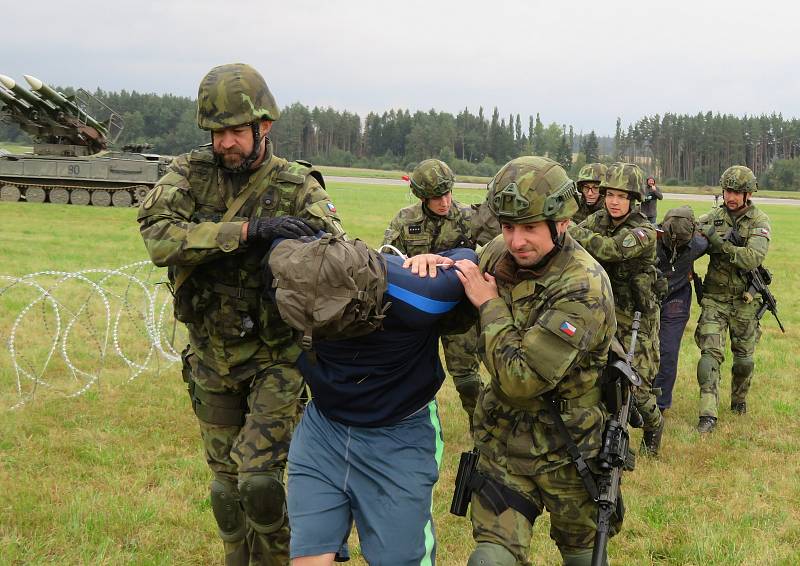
(591, 192)
(617, 203)
(528, 243)
(235, 144)
(733, 200)
(440, 205)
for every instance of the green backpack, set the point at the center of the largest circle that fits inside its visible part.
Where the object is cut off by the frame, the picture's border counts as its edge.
(484, 225)
(329, 289)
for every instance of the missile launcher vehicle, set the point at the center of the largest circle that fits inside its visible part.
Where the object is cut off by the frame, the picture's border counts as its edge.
(72, 161)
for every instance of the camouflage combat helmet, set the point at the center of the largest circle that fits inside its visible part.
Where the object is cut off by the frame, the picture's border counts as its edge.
(739, 178)
(531, 189)
(592, 173)
(431, 178)
(626, 177)
(679, 225)
(233, 95)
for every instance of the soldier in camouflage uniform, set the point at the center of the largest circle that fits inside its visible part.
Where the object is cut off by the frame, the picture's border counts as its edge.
(624, 242)
(435, 224)
(547, 321)
(727, 307)
(589, 200)
(210, 219)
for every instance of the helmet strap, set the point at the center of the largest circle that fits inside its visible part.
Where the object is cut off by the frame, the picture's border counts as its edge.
(248, 161)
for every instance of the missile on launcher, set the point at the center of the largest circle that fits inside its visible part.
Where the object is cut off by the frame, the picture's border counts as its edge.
(24, 94)
(65, 104)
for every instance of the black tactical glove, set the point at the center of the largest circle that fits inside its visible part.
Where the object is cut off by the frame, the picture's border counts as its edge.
(264, 230)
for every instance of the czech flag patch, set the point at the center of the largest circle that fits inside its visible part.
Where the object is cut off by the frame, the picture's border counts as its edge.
(331, 207)
(567, 328)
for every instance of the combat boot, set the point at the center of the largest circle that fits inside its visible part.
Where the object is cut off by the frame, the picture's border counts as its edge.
(739, 408)
(651, 440)
(706, 424)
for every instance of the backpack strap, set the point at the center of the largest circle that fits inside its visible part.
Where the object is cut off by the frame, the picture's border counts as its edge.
(316, 268)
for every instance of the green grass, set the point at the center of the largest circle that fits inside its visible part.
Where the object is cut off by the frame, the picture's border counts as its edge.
(117, 476)
(15, 147)
(383, 174)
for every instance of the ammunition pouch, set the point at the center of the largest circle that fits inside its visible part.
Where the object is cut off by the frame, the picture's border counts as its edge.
(189, 301)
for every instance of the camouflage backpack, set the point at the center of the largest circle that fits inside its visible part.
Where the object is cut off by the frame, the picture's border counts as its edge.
(483, 224)
(329, 289)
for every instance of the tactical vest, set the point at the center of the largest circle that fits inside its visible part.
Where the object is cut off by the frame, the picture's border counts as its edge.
(425, 232)
(221, 300)
(634, 280)
(722, 276)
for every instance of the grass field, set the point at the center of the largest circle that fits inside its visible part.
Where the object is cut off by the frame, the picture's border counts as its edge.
(117, 476)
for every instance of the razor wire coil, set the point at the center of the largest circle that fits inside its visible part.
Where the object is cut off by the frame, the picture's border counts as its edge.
(84, 320)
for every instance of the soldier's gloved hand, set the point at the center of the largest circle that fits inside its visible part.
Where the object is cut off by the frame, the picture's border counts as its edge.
(714, 239)
(264, 230)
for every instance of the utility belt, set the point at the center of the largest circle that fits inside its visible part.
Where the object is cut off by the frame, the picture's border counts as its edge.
(500, 497)
(590, 398)
(734, 289)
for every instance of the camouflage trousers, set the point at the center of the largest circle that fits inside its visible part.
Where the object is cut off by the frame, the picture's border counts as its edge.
(573, 513)
(646, 361)
(463, 365)
(721, 316)
(260, 447)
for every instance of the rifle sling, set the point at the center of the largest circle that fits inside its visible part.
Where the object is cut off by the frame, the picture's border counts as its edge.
(572, 449)
(233, 207)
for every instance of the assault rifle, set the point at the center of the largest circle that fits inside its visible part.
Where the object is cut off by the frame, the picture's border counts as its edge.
(759, 280)
(620, 379)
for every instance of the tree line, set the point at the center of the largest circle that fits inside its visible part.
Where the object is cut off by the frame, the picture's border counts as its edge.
(697, 149)
(676, 148)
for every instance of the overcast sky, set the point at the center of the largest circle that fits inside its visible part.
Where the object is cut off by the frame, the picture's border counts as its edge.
(580, 63)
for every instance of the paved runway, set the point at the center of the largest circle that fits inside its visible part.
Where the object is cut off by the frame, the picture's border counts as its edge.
(667, 196)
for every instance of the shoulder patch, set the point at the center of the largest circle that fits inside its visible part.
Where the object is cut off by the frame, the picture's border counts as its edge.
(415, 229)
(760, 231)
(641, 235)
(629, 241)
(719, 222)
(152, 197)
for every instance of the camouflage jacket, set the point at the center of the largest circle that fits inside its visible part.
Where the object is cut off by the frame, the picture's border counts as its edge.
(231, 329)
(628, 254)
(416, 230)
(724, 276)
(585, 210)
(549, 331)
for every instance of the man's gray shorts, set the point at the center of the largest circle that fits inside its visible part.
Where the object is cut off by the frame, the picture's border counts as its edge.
(380, 477)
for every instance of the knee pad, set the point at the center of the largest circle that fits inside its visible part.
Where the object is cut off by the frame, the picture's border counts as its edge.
(706, 367)
(742, 367)
(264, 501)
(491, 554)
(580, 558)
(227, 510)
